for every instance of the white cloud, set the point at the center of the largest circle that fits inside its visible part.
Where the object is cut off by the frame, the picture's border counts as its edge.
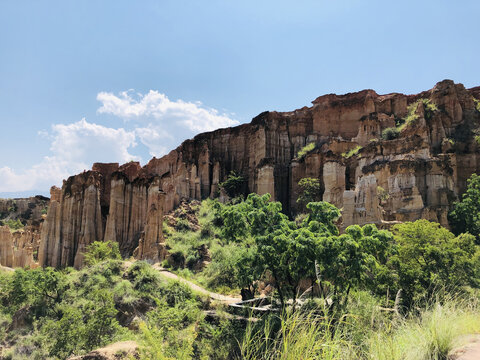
(84, 142)
(193, 116)
(74, 148)
(154, 139)
(156, 121)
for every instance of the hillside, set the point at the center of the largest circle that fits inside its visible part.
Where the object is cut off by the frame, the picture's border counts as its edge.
(382, 159)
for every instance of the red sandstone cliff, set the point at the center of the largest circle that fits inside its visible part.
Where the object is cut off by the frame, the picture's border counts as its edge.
(417, 175)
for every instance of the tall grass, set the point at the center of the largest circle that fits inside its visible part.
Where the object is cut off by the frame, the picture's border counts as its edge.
(294, 336)
(430, 336)
(370, 333)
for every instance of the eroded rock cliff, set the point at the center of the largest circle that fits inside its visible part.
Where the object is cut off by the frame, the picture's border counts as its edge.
(19, 244)
(415, 172)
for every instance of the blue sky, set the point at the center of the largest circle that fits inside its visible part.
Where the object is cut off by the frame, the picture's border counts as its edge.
(85, 81)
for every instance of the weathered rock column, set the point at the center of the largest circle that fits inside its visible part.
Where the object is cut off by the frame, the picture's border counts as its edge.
(6, 247)
(50, 235)
(151, 245)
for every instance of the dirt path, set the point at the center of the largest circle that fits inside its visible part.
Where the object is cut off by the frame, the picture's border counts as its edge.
(471, 351)
(168, 274)
(223, 298)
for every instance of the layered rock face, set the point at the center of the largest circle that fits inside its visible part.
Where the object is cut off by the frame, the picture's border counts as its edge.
(415, 175)
(20, 248)
(28, 210)
(107, 203)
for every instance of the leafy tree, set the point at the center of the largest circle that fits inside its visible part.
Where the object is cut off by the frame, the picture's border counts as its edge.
(38, 289)
(235, 265)
(311, 191)
(465, 216)
(85, 325)
(351, 260)
(429, 258)
(255, 216)
(323, 216)
(99, 251)
(234, 185)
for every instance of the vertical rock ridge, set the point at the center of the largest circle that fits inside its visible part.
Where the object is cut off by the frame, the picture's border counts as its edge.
(416, 175)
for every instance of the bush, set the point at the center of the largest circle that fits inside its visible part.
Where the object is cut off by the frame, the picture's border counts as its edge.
(234, 185)
(465, 214)
(390, 133)
(311, 190)
(348, 154)
(477, 104)
(305, 150)
(100, 251)
(175, 293)
(182, 225)
(144, 277)
(477, 139)
(13, 224)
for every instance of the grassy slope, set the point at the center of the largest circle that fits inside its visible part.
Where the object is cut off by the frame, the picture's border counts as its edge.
(185, 242)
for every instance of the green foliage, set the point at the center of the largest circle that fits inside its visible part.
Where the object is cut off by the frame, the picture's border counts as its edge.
(430, 258)
(87, 326)
(255, 216)
(99, 251)
(182, 225)
(382, 194)
(477, 139)
(71, 312)
(465, 214)
(233, 266)
(429, 107)
(352, 152)
(311, 190)
(13, 224)
(390, 133)
(477, 104)
(322, 217)
(38, 290)
(364, 332)
(234, 185)
(305, 150)
(355, 259)
(412, 116)
(143, 277)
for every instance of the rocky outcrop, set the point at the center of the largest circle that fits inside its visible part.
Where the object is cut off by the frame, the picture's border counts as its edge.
(108, 203)
(19, 248)
(73, 221)
(415, 175)
(29, 211)
(151, 246)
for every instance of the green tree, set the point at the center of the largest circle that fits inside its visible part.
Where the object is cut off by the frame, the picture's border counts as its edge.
(38, 289)
(351, 260)
(311, 191)
(234, 184)
(255, 216)
(85, 325)
(465, 216)
(323, 215)
(429, 258)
